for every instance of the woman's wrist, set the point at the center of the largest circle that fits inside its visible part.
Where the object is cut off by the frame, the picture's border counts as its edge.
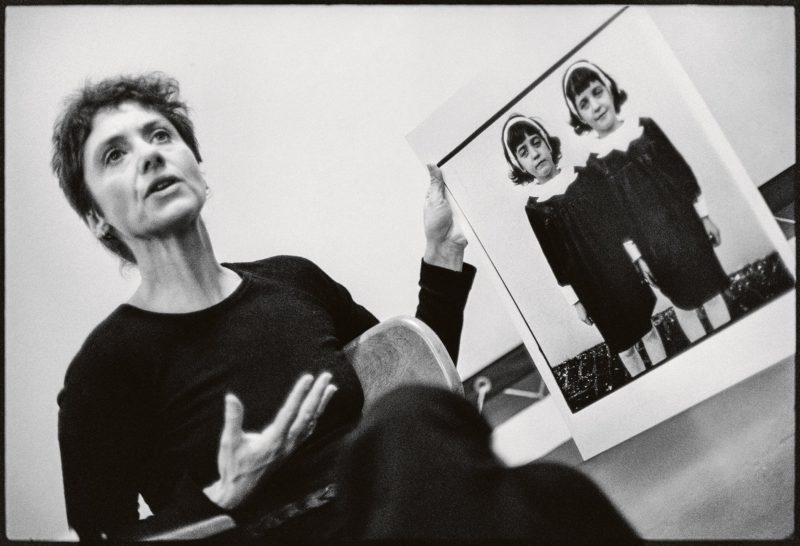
(215, 494)
(447, 255)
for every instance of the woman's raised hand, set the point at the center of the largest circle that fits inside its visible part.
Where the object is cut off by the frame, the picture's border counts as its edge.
(445, 240)
(245, 457)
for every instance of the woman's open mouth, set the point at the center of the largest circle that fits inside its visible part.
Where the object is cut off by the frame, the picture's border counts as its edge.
(161, 183)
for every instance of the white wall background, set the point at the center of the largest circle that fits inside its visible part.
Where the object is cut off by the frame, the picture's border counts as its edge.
(301, 114)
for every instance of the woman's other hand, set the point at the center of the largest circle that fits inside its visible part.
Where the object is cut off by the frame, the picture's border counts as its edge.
(582, 314)
(644, 271)
(712, 231)
(245, 457)
(445, 240)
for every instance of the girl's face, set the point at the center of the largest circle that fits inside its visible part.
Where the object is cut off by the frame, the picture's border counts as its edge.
(535, 157)
(595, 105)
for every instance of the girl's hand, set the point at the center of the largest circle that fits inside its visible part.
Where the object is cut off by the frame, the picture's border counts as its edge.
(712, 230)
(245, 457)
(445, 240)
(644, 271)
(582, 314)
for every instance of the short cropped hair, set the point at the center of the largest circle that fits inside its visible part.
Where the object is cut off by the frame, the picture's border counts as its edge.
(516, 135)
(579, 81)
(154, 91)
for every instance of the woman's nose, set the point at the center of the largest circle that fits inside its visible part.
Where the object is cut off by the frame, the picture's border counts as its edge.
(150, 159)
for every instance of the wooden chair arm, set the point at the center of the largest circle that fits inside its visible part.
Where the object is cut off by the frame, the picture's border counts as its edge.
(195, 531)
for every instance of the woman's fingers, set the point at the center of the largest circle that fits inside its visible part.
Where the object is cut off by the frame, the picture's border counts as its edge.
(437, 181)
(288, 412)
(330, 390)
(232, 428)
(307, 414)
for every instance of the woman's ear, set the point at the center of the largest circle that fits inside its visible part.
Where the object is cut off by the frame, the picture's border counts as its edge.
(97, 224)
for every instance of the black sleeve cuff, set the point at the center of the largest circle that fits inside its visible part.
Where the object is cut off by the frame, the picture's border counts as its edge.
(446, 283)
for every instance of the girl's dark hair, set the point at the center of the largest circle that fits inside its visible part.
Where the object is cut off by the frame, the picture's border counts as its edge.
(579, 81)
(154, 91)
(518, 133)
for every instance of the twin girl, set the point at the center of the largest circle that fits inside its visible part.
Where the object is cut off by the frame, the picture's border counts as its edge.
(631, 218)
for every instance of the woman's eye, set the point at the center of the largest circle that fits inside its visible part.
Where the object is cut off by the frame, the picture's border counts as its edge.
(522, 152)
(598, 91)
(112, 156)
(582, 104)
(161, 136)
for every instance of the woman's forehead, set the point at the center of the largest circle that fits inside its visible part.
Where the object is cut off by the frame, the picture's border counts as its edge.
(116, 121)
(121, 118)
(122, 114)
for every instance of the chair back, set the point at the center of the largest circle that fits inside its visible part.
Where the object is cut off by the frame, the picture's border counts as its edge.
(401, 351)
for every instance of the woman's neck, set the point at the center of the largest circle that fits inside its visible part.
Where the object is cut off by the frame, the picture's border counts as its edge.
(180, 273)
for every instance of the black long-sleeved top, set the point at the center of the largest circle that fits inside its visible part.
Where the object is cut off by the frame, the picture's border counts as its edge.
(141, 410)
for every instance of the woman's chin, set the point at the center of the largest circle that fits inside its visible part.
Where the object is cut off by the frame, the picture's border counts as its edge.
(174, 217)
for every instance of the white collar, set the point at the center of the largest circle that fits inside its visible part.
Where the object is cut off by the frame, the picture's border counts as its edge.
(620, 139)
(555, 186)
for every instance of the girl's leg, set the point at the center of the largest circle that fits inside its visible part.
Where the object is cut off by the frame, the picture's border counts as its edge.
(654, 346)
(632, 361)
(690, 323)
(717, 311)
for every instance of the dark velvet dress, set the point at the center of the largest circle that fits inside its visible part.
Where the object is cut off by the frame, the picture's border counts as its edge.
(581, 234)
(657, 188)
(542, 216)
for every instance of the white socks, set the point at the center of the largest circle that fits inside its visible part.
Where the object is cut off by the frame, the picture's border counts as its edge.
(654, 346)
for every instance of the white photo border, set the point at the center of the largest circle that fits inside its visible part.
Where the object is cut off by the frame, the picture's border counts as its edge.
(742, 349)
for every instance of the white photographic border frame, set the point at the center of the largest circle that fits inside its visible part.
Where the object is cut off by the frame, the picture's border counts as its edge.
(753, 343)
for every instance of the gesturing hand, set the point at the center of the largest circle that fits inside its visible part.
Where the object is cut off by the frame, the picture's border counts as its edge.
(712, 231)
(245, 457)
(445, 240)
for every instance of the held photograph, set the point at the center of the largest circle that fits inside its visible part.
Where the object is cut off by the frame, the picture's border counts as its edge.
(623, 232)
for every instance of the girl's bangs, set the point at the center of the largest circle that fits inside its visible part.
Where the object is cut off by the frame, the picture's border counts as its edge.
(580, 80)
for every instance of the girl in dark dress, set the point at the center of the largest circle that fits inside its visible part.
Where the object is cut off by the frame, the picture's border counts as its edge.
(581, 233)
(673, 237)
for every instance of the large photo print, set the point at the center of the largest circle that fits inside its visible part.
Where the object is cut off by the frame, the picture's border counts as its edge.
(623, 232)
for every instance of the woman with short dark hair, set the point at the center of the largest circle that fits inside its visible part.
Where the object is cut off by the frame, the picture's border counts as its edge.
(140, 411)
(141, 407)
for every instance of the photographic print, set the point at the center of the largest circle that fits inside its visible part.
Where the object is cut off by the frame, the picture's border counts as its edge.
(642, 267)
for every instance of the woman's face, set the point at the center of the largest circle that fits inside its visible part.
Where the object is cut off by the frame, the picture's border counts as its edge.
(144, 178)
(535, 157)
(595, 105)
